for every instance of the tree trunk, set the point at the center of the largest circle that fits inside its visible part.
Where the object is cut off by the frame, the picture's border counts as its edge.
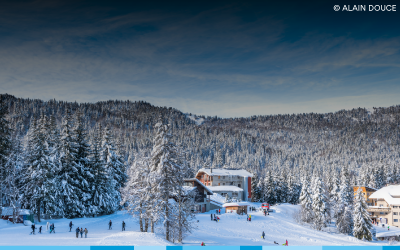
(167, 224)
(141, 219)
(146, 225)
(152, 226)
(38, 211)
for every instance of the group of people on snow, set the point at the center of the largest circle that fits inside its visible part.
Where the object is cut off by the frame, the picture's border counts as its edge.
(33, 227)
(215, 218)
(81, 231)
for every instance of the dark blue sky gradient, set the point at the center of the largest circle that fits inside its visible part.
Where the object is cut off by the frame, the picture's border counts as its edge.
(220, 58)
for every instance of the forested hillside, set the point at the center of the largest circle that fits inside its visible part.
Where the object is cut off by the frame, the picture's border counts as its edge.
(296, 145)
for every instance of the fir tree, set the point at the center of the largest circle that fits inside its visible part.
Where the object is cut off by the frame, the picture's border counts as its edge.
(362, 224)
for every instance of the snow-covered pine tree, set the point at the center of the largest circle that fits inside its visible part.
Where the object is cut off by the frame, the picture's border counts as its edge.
(319, 205)
(39, 171)
(115, 167)
(100, 201)
(167, 171)
(306, 202)
(5, 145)
(344, 206)
(362, 224)
(137, 193)
(260, 190)
(83, 163)
(269, 189)
(255, 197)
(69, 174)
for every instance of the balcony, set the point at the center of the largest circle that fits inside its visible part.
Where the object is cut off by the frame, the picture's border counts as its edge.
(378, 209)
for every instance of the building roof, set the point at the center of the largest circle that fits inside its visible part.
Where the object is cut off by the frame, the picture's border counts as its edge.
(209, 192)
(225, 188)
(391, 194)
(368, 189)
(7, 211)
(226, 172)
(236, 204)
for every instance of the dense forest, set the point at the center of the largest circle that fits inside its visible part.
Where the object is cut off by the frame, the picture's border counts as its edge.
(278, 148)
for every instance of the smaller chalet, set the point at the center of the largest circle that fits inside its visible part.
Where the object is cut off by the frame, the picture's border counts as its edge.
(202, 194)
(238, 207)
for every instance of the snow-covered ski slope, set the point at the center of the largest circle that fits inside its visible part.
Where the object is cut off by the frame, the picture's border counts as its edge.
(232, 229)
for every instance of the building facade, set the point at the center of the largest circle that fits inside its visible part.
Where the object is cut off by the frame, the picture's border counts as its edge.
(367, 191)
(231, 182)
(201, 194)
(385, 208)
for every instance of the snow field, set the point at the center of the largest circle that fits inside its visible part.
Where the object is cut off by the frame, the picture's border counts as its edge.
(232, 229)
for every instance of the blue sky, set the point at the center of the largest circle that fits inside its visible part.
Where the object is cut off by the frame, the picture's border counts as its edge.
(228, 58)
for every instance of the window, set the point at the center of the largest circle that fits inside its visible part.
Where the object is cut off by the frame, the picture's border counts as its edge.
(380, 205)
(231, 183)
(219, 184)
(219, 177)
(394, 213)
(238, 185)
(395, 220)
(223, 177)
(223, 184)
(395, 206)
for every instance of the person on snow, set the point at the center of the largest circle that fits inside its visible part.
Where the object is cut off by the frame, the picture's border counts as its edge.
(109, 225)
(47, 226)
(219, 211)
(247, 217)
(250, 217)
(70, 225)
(52, 227)
(33, 229)
(276, 243)
(77, 232)
(211, 216)
(388, 228)
(202, 244)
(81, 231)
(123, 225)
(287, 244)
(86, 231)
(263, 235)
(40, 229)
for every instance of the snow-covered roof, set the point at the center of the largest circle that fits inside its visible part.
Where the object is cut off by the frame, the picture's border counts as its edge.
(236, 204)
(199, 182)
(225, 188)
(188, 189)
(391, 194)
(229, 172)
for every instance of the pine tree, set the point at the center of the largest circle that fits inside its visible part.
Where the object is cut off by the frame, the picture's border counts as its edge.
(39, 172)
(319, 205)
(306, 202)
(5, 145)
(344, 206)
(362, 224)
(269, 189)
(255, 193)
(70, 172)
(166, 167)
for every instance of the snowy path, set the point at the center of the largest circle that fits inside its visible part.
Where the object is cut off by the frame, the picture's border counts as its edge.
(232, 229)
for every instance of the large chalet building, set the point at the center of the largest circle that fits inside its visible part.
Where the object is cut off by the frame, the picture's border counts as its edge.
(231, 182)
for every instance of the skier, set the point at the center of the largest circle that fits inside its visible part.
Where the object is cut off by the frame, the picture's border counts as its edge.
(109, 225)
(123, 225)
(250, 217)
(40, 229)
(77, 232)
(211, 216)
(263, 235)
(276, 243)
(202, 244)
(52, 228)
(33, 229)
(81, 231)
(219, 211)
(86, 231)
(70, 226)
(286, 244)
